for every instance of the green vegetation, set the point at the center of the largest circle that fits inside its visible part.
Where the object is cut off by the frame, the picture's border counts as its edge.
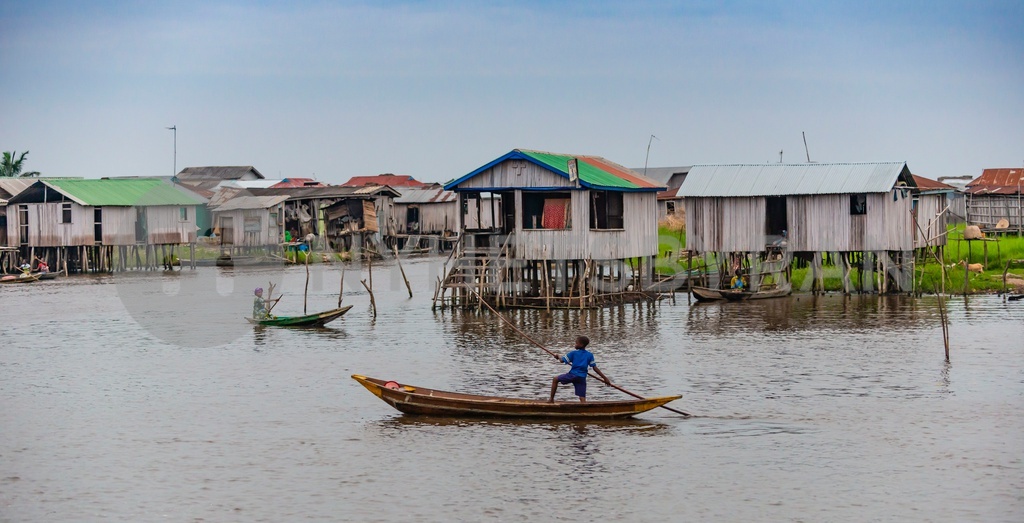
(11, 168)
(1001, 250)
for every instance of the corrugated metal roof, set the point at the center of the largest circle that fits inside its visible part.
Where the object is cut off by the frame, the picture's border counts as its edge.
(776, 179)
(12, 186)
(998, 181)
(116, 192)
(250, 202)
(215, 172)
(662, 175)
(392, 180)
(927, 184)
(432, 194)
(332, 191)
(594, 172)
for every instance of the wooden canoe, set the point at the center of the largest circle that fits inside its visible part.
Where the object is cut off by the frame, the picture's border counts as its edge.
(709, 294)
(421, 400)
(310, 320)
(23, 278)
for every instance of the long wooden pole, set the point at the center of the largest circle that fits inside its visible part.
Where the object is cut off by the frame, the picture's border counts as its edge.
(407, 286)
(557, 357)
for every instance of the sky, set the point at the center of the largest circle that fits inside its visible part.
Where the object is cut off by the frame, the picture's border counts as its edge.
(331, 90)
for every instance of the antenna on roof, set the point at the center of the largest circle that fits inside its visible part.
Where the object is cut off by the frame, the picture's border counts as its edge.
(805, 147)
(651, 139)
(780, 155)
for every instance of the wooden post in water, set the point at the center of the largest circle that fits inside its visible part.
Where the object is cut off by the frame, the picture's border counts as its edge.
(373, 304)
(407, 286)
(305, 292)
(341, 287)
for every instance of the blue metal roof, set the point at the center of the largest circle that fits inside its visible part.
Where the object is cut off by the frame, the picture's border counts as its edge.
(776, 179)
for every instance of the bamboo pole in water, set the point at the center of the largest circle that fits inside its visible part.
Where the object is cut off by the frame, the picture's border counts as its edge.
(407, 286)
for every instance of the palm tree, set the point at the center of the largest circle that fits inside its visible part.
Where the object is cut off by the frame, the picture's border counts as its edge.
(11, 168)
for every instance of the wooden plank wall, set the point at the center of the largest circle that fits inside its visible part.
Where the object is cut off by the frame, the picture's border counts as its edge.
(435, 218)
(987, 210)
(639, 236)
(118, 225)
(516, 174)
(928, 207)
(725, 224)
(815, 223)
(164, 225)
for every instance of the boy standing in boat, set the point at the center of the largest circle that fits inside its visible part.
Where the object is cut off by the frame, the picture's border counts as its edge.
(581, 361)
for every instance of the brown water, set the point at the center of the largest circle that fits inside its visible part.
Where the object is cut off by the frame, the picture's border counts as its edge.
(146, 397)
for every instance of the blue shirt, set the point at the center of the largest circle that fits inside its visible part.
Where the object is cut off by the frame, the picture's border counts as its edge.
(581, 360)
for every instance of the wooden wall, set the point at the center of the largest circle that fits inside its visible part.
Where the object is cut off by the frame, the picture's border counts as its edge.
(118, 225)
(986, 210)
(725, 224)
(815, 223)
(638, 237)
(270, 230)
(928, 206)
(516, 174)
(165, 226)
(435, 218)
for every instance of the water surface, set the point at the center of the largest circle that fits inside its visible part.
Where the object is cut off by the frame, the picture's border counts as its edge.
(146, 397)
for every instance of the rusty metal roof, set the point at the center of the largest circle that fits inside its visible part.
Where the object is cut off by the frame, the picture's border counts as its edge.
(776, 179)
(998, 181)
(431, 194)
(249, 202)
(392, 180)
(928, 185)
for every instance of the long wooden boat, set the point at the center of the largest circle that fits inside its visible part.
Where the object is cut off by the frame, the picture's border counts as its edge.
(421, 400)
(709, 294)
(310, 320)
(22, 278)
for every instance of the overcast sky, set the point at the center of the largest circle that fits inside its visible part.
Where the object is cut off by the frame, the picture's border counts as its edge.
(436, 89)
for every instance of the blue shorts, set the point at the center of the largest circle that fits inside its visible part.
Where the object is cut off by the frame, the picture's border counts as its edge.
(578, 382)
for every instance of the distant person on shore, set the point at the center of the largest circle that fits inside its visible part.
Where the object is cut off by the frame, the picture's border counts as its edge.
(581, 361)
(259, 305)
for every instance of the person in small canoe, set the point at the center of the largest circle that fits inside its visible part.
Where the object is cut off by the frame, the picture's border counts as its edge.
(581, 361)
(259, 305)
(737, 282)
(41, 266)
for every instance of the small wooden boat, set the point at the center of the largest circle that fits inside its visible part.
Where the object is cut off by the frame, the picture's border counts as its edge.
(22, 278)
(46, 275)
(421, 400)
(709, 294)
(310, 320)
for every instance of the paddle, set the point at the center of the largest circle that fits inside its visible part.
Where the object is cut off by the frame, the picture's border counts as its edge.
(557, 357)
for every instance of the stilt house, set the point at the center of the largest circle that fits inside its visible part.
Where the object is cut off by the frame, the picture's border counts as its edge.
(249, 223)
(426, 214)
(754, 218)
(931, 212)
(566, 231)
(343, 217)
(996, 196)
(88, 222)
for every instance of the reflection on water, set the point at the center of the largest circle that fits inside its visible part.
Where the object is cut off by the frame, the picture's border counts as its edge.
(122, 398)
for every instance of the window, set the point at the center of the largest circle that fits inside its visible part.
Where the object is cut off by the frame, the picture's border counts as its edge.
(858, 204)
(65, 213)
(605, 210)
(183, 214)
(670, 207)
(547, 210)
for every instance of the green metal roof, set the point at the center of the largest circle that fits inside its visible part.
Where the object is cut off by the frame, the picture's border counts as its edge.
(124, 192)
(594, 172)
